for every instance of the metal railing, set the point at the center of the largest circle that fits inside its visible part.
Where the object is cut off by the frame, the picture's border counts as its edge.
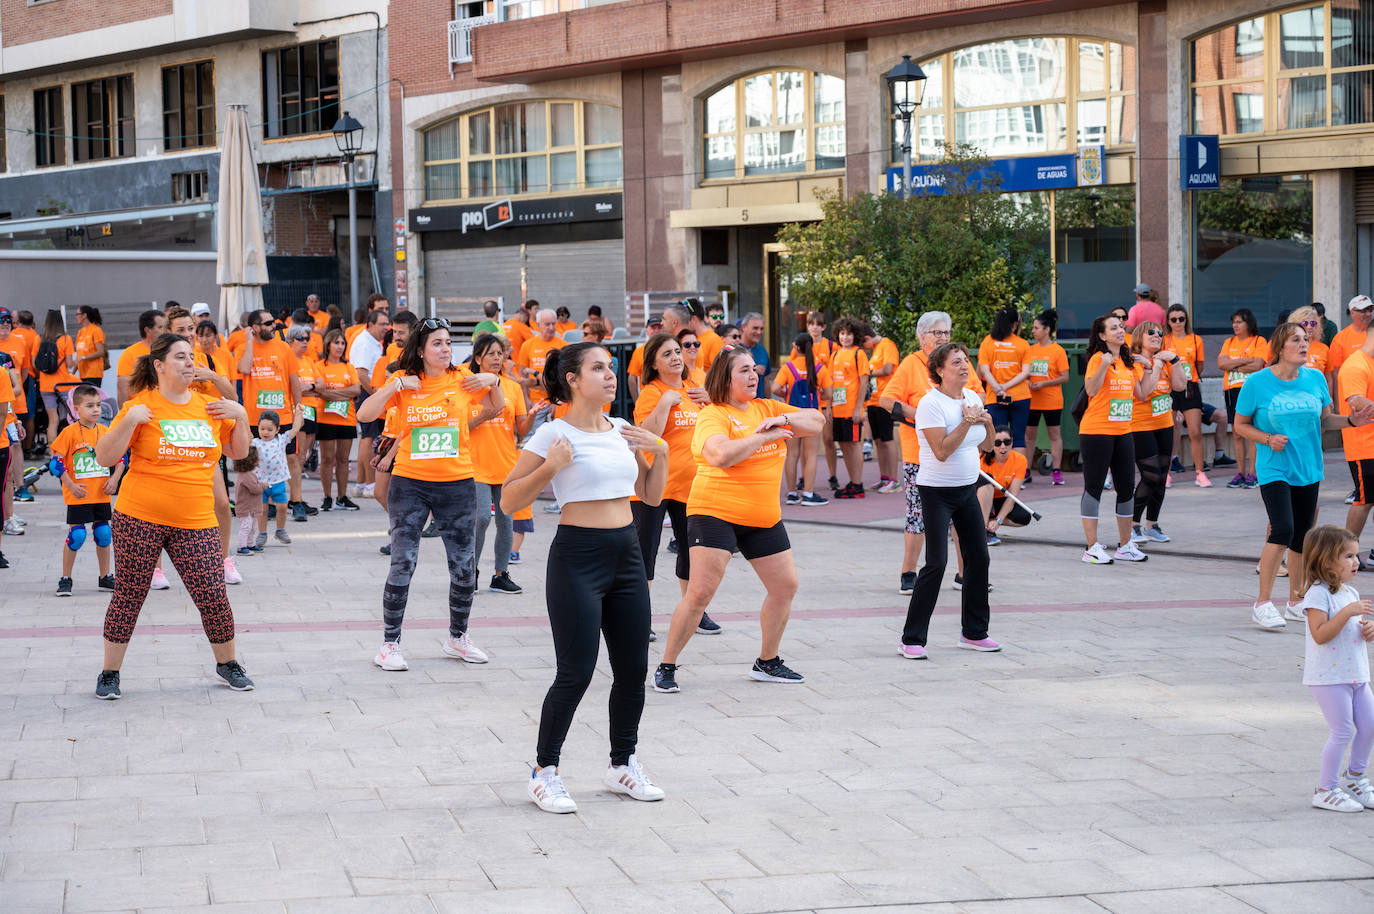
(460, 37)
(639, 305)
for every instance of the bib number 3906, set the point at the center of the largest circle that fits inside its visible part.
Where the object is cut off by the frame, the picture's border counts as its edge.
(1119, 409)
(188, 432)
(433, 443)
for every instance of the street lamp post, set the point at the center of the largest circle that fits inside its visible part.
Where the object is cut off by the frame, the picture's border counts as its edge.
(906, 85)
(348, 136)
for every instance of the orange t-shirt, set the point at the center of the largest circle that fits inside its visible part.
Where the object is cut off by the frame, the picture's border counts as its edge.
(6, 403)
(48, 382)
(1005, 473)
(221, 359)
(309, 372)
(1317, 355)
(677, 431)
(379, 372)
(493, 442)
(351, 333)
(267, 385)
(1346, 341)
(87, 338)
(518, 332)
(636, 366)
(320, 319)
(907, 386)
(1157, 410)
(1252, 347)
(18, 349)
(1356, 379)
(75, 444)
(1191, 353)
(334, 376)
(1005, 359)
(563, 327)
(695, 378)
(711, 344)
(820, 351)
(31, 337)
(1049, 361)
(884, 353)
(172, 462)
(1110, 412)
(748, 492)
(533, 354)
(432, 441)
(847, 368)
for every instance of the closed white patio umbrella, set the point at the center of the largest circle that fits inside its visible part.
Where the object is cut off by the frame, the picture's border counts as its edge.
(241, 270)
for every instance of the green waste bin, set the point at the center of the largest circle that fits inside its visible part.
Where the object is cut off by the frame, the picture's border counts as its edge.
(1077, 351)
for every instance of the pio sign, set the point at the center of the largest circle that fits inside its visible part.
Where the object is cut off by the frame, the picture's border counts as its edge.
(1199, 162)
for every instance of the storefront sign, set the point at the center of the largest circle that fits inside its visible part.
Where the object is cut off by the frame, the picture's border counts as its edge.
(516, 213)
(1019, 174)
(1199, 163)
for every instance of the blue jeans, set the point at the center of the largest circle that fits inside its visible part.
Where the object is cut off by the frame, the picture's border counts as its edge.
(1014, 416)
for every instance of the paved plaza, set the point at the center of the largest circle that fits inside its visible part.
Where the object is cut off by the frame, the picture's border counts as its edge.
(1139, 746)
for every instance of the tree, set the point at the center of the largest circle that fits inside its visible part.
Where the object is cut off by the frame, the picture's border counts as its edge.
(968, 251)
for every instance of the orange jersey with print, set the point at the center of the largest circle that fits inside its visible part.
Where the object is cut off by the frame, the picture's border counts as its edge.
(907, 386)
(847, 368)
(1356, 379)
(1346, 341)
(18, 349)
(321, 319)
(1191, 351)
(821, 350)
(1157, 410)
(172, 461)
(1317, 355)
(884, 354)
(678, 432)
(636, 366)
(1252, 347)
(308, 370)
(335, 376)
(533, 354)
(87, 338)
(493, 442)
(711, 344)
(1005, 359)
(432, 441)
(129, 357)
(65, 348)
(6, 405)
(1006, 473)
(1049, 361)
(75, 444)
(518, 332)
(746, 493)
(1112, 410)
(31, 337)
(267, 385)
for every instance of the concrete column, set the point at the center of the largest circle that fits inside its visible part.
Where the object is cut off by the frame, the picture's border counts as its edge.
(1153, 188)
(655, 147)
(1333, 238)
(858, 109)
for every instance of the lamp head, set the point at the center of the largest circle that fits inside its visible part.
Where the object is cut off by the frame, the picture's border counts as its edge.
(906, 86)
(348, 135)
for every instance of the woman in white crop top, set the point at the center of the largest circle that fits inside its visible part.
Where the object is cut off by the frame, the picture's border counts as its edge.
(595, 583)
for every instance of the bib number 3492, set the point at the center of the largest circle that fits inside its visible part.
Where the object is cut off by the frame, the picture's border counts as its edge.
(1119, 409)
(433, 443)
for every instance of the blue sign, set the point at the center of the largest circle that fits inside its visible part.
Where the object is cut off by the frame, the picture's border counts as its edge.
(1199, 162)
(1020, 174)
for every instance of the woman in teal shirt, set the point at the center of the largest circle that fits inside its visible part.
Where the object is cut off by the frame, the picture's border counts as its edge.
(1283, 409)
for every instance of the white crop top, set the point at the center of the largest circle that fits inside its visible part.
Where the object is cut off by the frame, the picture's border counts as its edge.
(603, 466)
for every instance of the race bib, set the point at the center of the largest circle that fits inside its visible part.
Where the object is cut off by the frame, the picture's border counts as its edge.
(337, 407)
(1040, 368)
(433, 443)
(309, 412)
(840, 396)
(84, 466)
(1119, 409)
(1187, 368)
(1160, 404)
(188, 432)
(271, 399)
(1235, 377)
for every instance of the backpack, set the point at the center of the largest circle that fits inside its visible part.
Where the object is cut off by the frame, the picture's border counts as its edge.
(800, 394)
(48, 359)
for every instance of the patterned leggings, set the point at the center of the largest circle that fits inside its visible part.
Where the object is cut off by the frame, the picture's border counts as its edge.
(198, 557)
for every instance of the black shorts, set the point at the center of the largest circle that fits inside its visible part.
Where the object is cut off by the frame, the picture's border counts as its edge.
(751, 542)
(308, 427)
(1190, 397)
(880, 423)
(1053, 418)
(1232, 397)
(290, 445)
(1362, 472)
(842, 429)
(324, 431)
(78, 515)
(371, 429)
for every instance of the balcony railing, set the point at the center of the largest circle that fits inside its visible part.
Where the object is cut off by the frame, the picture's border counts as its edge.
(460, 38)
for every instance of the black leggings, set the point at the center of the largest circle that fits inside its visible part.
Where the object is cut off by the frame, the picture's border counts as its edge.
(649, 525)
(1101, 453)
(1152, 452)
(941, 505)
(1292, 512)
(595, 586)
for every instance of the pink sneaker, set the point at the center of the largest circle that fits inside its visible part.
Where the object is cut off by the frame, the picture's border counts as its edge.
(160, 581)
(1057, 479)
(1201, 480)
(912, 651)
(987, 645)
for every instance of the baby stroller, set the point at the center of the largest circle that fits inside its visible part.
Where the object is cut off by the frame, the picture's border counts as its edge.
(66, 409)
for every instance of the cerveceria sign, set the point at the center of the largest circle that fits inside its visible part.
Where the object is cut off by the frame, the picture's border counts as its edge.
(515, 213)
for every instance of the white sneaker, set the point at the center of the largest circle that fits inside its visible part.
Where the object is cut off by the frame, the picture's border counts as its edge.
(1336, 800)
(13, 528)
(1128, 552)
(368, 490)
(19, 520)
(389, 657)
(1096, 554)
(160, 581)
(1267, 617)
(231, 573)
(1360, 789)
(547, 791)
(1294, 612)
(632, 780)
(463, 648)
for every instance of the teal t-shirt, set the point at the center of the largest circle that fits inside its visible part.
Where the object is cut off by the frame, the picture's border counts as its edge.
(1292, 408)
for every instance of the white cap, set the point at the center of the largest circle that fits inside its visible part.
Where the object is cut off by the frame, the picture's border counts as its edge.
(199, 308)
(1360, 303)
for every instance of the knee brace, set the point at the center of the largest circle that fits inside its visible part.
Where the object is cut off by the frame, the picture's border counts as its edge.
(101, 532)
(76, 537)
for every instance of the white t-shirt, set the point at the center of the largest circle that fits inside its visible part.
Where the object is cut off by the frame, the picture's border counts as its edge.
(936, 410)
(1344, 660)
(364, 353)
(603, 466)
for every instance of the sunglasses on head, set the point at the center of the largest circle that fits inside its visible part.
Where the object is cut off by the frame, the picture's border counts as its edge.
(434, 323)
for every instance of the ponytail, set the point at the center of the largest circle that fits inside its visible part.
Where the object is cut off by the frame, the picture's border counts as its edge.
(806, 348)
(560, 363)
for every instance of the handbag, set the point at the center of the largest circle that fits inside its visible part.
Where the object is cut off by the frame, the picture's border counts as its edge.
(1080, 405)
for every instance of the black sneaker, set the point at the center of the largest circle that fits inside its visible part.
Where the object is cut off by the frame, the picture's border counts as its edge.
(501, 583)
(959, 583)
(708, 626)
(908, 582)
(107, 686)
(1176, 465)
(4, 562)
(812, 500)
(310, 510)
(672, 545)
(793, 498)
(665, 678)
(327, 504)
(429, 532)
(834, 484)
(653, 635)
(233, 674)
(345, 504)
(106, 583)
(64, 587)
(1223, 460)
(774, 671)
(385, 550)
(298, 512)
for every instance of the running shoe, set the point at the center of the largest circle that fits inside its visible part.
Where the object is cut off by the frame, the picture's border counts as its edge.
(1096, 554)
(632, 780)
(546, 789)
(1237, 482)
(986, 645)
(1350, 499)
(1252, 481)
(1127, 552)
(853, 490)
(345, 504)
(260, 542)
(1155, 534)
(106, 582)
(553, 507)
(812, 500)
(514, 558)
(1057, 478)
(159, 581)
(774, 671)
(994, 539)
(908, 583)
(708, 626)
(431, 531)
(1175, 465)
(1267, 617)
(389, 657)
(4, 562)
(890, 487)
(501, 583)
(1107, 483)
(385, 550)
(1201, 480)
(310, 510)
(913, 651)
(283, 537)
(246, 551)
(653, 635)
(1138, 534)
(959, 583)
(232, 673)
(64, 587)
(672, 545)
(462, 648)
(1220, 459)
(368, 491)
(23, 495)
(1294, 612)
(13, 528)
(833, 483)
(665, 678)
(1336, 800)
(793, 498)
(20, 521)
(868, 450)
(298, 512)
(327, 504)
(1026, 480)
(1358, 786)
(107, 685)
(1169, 480)
(231, 572)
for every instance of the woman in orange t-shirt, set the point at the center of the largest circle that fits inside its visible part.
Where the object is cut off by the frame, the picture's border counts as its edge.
(1113, 380)
(1007, 467)
(54, 332)
(801, 382)
(493, 434)
(733, 505)
(1152, 427)
(298, 338)
(336, 384)
(1188, 405)
(432, 473)
(821, 350)
(1004, 365)
(91, 355)
(174, 438)
(848, 371)
(1241, 356)
(1049, 369)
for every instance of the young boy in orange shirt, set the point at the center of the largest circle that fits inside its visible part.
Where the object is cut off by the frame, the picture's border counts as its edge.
(86, 487)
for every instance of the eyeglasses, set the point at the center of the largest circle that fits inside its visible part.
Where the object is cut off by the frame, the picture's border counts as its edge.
(939, 334)
(691, 345)
(1178, 320)
(1002, 442)
(1309, 323)
(434, 323)
(1154, 332)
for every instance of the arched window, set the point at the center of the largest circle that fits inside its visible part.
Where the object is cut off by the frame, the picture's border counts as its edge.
(536, 147)
(1307, 68)
(1026, 96)
(775, 122)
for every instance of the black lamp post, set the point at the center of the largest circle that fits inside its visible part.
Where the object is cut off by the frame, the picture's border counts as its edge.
(348, 136)
(906, 86)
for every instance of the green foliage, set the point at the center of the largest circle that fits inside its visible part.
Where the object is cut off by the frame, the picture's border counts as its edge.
(889, 260)
(1284, 214)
